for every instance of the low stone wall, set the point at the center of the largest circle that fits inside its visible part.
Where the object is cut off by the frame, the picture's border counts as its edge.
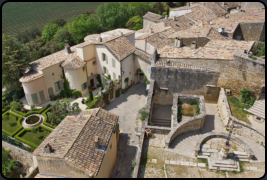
(159, 130)
(190, 124)
(24, 157)
(224, 108)
(141, 129)
(210, 135)
(244, 129)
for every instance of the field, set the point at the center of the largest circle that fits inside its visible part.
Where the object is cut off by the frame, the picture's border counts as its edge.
(19, 16)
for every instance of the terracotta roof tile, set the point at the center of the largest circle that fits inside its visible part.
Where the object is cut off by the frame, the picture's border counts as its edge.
(152, 16)
(91, 37)
(143, 54)
(120, 47)
(232, 4)
(181, 23)
(158, 40)
(116, 32)
(74, 63)
(200, 14)
(214, 7)
(30, 76)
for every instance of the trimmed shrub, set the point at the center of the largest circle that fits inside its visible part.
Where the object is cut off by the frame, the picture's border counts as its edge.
(118, 92)
(5, 109)
(31, 112)
(45, 119)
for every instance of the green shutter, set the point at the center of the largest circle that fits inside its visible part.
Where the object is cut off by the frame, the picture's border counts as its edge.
(56, 86)
(106, 58)
(27, 97)
(61, 85)
(42, 96)
(113, 63)
(35, 98)
(114, 76)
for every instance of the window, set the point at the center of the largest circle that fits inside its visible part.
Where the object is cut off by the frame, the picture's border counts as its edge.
(34, 98)
(104, 70)
(176, 13)
(147, 46)
(42, 96)
(94, 62)
(91, 74)
(114, 76)
(84, 86)
(52, 74)
(104, 57)
(83, 68)
(59, 85)
(113, 63)
(129, 73)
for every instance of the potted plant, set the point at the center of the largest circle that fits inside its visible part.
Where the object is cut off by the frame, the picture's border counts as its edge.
(83, 101)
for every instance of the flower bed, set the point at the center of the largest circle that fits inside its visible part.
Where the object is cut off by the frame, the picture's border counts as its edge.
(11, 126)
(33, 139)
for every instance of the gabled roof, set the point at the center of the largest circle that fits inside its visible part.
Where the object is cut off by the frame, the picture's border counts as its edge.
(120, 47)
(232, 4)
(116, 32)
(152, 16)
(181, 23)
(200, 14)
(214, 7)
(143, 54)
(158, 40)
(73, 139)
(213, 34)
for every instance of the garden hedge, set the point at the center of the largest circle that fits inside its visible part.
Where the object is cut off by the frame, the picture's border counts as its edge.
(18, 122)
(31, 112)
(45, 119)
(29, 129)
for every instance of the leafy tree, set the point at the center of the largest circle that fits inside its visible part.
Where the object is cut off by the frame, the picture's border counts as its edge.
(49, 31)
(141, 8)
(51, 117)
(36, 48)
(90, 12)
(245, 93)
(15, 60)
(28, 35)
(179, 4)
(7, 163)
(168, 11)
(62, 37)
(259, 49)
(160, 7)
(135, 23)
(81, 26)
(170, 4)
(50, 48)
(153, 4)
(59, 21)
(91, 95)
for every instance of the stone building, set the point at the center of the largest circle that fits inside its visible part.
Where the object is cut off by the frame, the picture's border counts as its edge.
(82, 146)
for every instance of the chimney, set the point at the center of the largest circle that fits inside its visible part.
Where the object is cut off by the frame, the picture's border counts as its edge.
(96, 142)
(99, 39)
(223, 29)
(237, 7)
(166, 16)
(193, 45)
(173, 18)
(151, 30)
(165, 24)
(178, 42)
(121, 33)
(67, 48)
(48, 148)
(187, 4)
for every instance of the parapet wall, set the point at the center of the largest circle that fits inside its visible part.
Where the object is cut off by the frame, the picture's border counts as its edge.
(235, 74)
(190, 124)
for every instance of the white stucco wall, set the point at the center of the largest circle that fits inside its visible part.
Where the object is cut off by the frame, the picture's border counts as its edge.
(76, 78)
(49, 79)
(179, 13)
(87, 52)
(140, 44)
(128, 68)
(151, 48)
(33, 87)
(100, 63)
(131, 38)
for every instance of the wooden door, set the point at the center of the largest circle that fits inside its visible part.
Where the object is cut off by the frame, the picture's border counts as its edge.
(92, 83)
(111, 94)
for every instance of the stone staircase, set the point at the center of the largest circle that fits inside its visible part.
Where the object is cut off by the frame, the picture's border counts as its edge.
(185, 143)
(258, 107)
(161, 122)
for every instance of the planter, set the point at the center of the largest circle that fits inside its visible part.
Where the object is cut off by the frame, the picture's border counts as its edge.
(148, 132)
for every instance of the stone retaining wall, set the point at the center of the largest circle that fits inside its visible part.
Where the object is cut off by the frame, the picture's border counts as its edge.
(24, 157)
(190, 124)
(141, 129)
(210, 135)
(245, 129)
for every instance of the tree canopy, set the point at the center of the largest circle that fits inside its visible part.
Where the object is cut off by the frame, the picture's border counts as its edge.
(7, 163)
(62, 37)
(135, 23)
(49, 31)
(59, 21)
(15, 60)
(28, 35)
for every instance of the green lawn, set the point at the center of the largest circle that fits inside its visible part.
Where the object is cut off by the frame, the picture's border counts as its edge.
(11, 125)
(237, 109)
(18, 16)
(35, 138)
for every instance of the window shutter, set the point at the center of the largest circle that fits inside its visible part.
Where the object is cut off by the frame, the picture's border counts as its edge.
(35, 98)
(107, 70)
(42, 96)
(56, 86)
(61, 85)
(114, 76)
(113, 63)
(27, 97)
(106, 58)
